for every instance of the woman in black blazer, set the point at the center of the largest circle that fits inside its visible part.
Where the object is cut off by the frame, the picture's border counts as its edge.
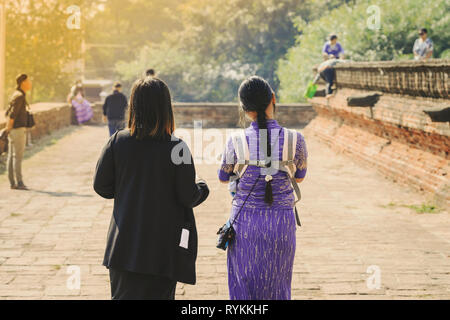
(152, 238)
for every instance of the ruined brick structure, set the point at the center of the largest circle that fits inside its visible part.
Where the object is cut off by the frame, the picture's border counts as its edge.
(406, 134)
(53, 116)
(226, 115)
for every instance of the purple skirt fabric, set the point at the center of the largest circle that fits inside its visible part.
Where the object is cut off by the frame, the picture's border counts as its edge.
(83, 110)
(261, 258)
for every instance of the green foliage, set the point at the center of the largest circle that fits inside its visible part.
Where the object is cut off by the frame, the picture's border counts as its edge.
(421, 208)
(39, 43)
(400, 21)
(222, 42)
(188, 80)
(250, 32)
(445, 54)
(120, 28)
(424, 208)
(203, 49)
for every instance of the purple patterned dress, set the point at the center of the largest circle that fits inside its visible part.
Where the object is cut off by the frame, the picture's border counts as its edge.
(261, 258)
(83, 109)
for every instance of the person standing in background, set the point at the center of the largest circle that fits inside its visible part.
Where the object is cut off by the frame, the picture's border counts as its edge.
(423, 46)
(150, 73)
(76, 89)
(82, 107)
(114, 109)
(17, 131)
(332, 49)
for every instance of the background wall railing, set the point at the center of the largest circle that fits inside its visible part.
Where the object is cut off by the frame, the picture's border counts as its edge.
(414, 78)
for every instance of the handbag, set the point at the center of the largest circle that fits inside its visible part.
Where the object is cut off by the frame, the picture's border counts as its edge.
(30, 119)
(226, 232)
(310, 90)
(3, 142)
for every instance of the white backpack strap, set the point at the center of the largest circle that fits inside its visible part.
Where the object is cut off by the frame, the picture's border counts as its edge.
(289, 150)
(293, 145)
(285, 145)
(242, 153)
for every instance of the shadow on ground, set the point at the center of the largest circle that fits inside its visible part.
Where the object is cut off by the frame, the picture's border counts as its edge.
(41, 144)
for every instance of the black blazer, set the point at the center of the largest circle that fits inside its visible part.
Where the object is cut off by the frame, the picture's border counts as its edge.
(153, 201)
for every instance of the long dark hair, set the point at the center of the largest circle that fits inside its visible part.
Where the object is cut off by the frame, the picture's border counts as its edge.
(151, 113)
(255, 94)
(19, 79)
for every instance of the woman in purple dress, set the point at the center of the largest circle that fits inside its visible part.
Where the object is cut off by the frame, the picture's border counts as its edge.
(261, 257)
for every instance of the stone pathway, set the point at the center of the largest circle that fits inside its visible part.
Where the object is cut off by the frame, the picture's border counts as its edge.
(354, 221)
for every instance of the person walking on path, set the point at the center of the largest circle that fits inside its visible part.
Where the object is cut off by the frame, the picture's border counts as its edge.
(114, 109)
(260, 258)
(150, 174)
(332, 49)
(423, 46)
(16, 128)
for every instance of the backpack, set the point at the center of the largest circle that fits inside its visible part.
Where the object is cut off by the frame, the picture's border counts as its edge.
(286, 164)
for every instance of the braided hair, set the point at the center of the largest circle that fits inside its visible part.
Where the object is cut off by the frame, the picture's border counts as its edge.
(255, 94)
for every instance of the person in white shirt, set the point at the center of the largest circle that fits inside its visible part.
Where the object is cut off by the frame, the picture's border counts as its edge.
(423, 46)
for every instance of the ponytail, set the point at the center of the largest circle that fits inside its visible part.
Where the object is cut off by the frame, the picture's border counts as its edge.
(262, 125)
(255, 95)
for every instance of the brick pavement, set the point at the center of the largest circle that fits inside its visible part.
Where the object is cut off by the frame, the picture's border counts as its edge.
(352, 219)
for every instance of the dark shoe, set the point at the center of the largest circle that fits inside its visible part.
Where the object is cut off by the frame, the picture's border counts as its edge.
(21, 186)
(13, 187)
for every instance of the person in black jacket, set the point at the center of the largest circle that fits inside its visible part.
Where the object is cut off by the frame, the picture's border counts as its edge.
(150, 174)
(16, 127)
(114, 109)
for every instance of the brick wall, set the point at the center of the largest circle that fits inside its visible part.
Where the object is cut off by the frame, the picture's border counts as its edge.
(53, 116)
(395, 136)
(48, 117)
(226, 115)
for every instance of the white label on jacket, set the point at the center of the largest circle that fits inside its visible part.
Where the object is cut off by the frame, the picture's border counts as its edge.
(184, 238)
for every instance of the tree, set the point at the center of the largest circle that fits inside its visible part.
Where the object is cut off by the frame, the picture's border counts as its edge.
(130, 24)
(39, 43)
(399, 23)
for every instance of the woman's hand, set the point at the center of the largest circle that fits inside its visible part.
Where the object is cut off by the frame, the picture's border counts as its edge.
(300, 180)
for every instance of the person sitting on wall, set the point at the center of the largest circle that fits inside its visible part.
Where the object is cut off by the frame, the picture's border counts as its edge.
(423, 46)
(114, 109)
(326, 71)
(332, 49)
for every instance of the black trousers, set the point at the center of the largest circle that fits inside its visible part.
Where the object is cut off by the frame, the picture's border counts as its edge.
(127, 285)
(328, 75)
